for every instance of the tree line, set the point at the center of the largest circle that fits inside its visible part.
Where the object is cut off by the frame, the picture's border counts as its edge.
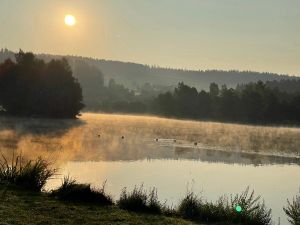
(253, 102)
(33, 87)
(259, 102)
(248, 103)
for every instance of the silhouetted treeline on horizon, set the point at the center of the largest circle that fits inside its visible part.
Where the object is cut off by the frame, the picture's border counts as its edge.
(254, 102)
(31, 87)
(249, 103)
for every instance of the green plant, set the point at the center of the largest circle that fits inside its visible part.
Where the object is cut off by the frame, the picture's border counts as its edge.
(252, 211)
(293, 210)
(139, 200)
(190, 206)
(32, 175)
(70, 190)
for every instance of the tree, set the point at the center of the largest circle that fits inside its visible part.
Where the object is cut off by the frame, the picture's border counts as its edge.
(214, 90)
(186, 100)
(31, 87)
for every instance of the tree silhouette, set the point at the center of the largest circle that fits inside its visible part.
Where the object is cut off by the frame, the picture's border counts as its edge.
(31, 87)
(253, 102)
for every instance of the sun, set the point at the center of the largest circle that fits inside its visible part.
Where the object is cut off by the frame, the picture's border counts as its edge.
(70, 20)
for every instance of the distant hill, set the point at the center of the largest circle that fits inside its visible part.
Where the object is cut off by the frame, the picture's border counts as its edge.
(133, 75)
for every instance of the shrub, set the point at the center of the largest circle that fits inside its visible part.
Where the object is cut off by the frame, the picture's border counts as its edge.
(293, 210)
(33, 175)
(253, 212)
(138, 200)
(190, 206)
(70, 190)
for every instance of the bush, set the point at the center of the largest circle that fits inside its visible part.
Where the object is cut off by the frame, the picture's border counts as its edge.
(253, 212)
(138, 200)
(70, 190)
(293, 210)
(190, 206)
(33, 175)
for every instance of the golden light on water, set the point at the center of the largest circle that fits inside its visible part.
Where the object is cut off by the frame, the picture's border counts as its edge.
(70, 20)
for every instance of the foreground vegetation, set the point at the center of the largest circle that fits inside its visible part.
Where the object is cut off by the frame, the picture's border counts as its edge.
(25, 207)
(21, 196)
(292, 210)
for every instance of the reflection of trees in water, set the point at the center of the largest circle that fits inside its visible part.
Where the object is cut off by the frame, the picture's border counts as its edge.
(246, 158)
(34, 137)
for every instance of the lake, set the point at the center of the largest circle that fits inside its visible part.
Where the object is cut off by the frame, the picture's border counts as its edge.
(174, 156)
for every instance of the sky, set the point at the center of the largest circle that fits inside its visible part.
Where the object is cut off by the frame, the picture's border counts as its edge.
(257, 35)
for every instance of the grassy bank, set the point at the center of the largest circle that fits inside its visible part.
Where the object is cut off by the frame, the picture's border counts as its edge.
(25, 207)
(23, 201)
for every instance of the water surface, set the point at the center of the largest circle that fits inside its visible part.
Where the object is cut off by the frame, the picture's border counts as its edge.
(211, 158)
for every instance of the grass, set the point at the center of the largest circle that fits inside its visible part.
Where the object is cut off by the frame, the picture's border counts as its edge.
(32, 175)
(139, 200)
(293, 210)
(253, 212)
(190, 206)
(26, 207)
(70, 190)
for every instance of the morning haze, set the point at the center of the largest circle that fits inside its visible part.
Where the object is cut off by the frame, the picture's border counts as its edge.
(196, 34)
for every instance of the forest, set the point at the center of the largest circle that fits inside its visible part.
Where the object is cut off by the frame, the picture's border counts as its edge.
(248, 103)
(30, 86)
(253, 102)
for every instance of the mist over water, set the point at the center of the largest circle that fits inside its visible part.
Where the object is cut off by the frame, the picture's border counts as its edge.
(212, 158)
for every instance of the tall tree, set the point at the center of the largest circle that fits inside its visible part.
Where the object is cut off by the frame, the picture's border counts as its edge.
(31, 87)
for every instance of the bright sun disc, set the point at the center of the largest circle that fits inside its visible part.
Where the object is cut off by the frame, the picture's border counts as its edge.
(70, 20)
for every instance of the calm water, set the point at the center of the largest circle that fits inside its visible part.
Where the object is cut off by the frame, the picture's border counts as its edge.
(211, 158)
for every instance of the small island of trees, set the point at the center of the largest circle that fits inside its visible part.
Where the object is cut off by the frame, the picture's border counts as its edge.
(31, 87)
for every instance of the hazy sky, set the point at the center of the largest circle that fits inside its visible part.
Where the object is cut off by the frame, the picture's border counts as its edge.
(261, 35)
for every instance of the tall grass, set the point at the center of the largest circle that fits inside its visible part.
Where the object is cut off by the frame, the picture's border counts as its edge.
(32, 175)
(293, 210)
(140, 201)
(224, 210)
(71, 190)
(253, 211)
(190, 206)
